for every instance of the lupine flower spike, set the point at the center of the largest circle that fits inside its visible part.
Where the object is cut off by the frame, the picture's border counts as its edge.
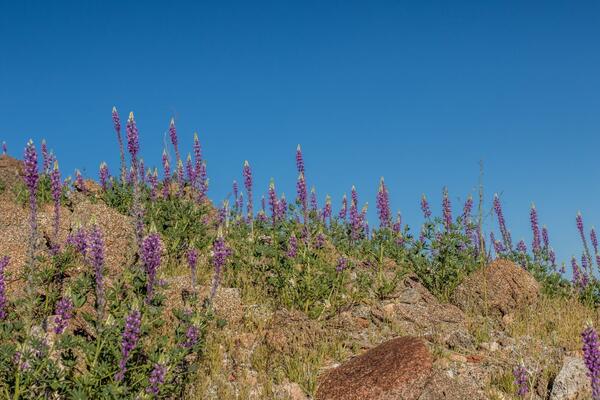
(579, 223)
(520, 375)
(591, 356)
(502, 223)
(535, 229)
(104, 176)
(56, 189)
(131, 335)
(167, 175)
(383, 205)
(425, 207)
(151, 249)
(247, 172)
(219, 259)
(192, 256)
(299, 160)
(273, 201)
(64, 312)
(117, 125)
(4, 149)
(344, 209)
(447, 210)
(96, 257)
(157, 378)
(292, 246)
(31, 178)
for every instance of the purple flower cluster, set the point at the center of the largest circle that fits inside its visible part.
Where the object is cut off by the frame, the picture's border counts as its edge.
(150, 253)
(579, 222)
(64, 312)
(190, 171)
(157, 378)
(425, 207)
(56, 189)
(3, 301)
(383, 205)
(219, 259)
(4, 148)
(153, 180)
(292, 248)
(591, 356)
(117, 125)
(174, 141)
(104, 176)
(131, 335)
(46, 158)
(31, 177)
(133, 143)
(299, 160)
(191, 336)
(273, 201)
(167, 174)
(247, 173)
(180, 178)
(344, 209)
(466, 216)
(447, 210)
(502, 223)
(96, 257)
(327, 209)
(535, 229)
(301, 196)
(520, 375)
(319, 240)
(356, 221)
(342, 264)
(313, 199)
(79, 182)
(282, 208)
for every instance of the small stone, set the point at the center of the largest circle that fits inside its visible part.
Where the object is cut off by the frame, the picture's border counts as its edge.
(572, 382)
(458, 358)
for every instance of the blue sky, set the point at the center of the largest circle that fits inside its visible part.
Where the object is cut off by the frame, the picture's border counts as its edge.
(416, 92)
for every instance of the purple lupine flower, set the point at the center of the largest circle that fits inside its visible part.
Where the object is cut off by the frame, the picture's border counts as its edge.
(535, 228)
(131, 178)
(520, 375)
(3, 301)
(447, 210)
(425, 207)
(313, 199)
(190, 171)
(579, 279)
(327, 209)
(131, 335)
(356, 223)
(202, 182)
(45, 158)
(247, 172)
(180, 178)
(383, 205)
(397, 226)
(157, 378)
(153, 179)
(219, 259)
(79, 182)
(197, 156)
(64, 312)
(498, 248)
(342, 264)
(56, 189)
(151, 249)
(319, 240)
(191, 336)
(4, 149)
(344, 209)
(591, 357)
(223, 211)
(167, 175)
(594, 240)
(522, 247)
(31, 178)
(273, 201)
(502, 223)
(545, 239)
(79, 240)
(235, 192)
(104, 176)
(240, 204)
(142, 172)
(466, 216)
(117, 125)
(174, 141)
(301, 196)
(133, 142)
(96, 257)
(299, 160)
(192, 257)
(579, 222)
(292, 248)
(552, 257)
(282, 208)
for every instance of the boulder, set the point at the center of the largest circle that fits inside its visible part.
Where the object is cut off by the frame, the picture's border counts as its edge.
(446, 385)
(497, 290)
(397, 369)
(11, 172)
(572, 382)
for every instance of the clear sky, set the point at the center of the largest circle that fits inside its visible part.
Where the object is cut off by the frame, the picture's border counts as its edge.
(417, 92)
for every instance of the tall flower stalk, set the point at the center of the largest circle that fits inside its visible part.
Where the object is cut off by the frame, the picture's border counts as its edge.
(301, 196)
(299, 160)
(273, 202)
(31, 178)
(520, 375)
(117, 125)
(64, 312)
(104, 175)
(247, 173)
(151, 249)
(96, 257)
(591, 356)
(502, 223)
(383, 205)
(425, 207)
(167, 175)
(447, 210)
(56, 189)
(535, 229)
(192, 258)
(579, 223)
(344, 210)
(219, 259)
(131, 336)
